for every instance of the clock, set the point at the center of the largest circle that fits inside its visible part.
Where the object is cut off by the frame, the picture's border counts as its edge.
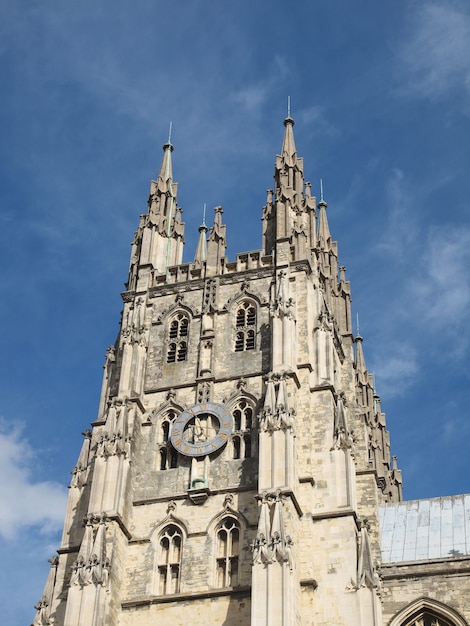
(202, 429)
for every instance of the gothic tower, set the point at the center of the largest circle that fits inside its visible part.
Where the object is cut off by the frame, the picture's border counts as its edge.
(239, 456)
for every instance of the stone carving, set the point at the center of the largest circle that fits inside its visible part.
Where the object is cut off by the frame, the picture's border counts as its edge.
(92, 565)
(283, 306)
(271, 544)
(210, 296)
(343, 439)
(204, 391)
(80, 471)
(276, 413)
(367, 575)
(134, 330)
(115, 440)
(44, 616)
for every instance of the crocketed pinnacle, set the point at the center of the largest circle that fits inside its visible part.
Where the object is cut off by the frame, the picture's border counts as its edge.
(361, 368)
(166, 170)
(201, 250)
(289, 151)
(324, 235)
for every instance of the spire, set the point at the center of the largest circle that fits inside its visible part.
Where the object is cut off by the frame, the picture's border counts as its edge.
(288, 215)
(166, 169)
(289, 151)
(324, 235)
(201, 251)
(158, 242)
(361, 368)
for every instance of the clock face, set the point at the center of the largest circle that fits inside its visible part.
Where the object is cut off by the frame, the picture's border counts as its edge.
(202, 429)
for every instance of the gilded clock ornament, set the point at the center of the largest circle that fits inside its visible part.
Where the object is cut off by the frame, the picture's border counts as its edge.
(202, 429)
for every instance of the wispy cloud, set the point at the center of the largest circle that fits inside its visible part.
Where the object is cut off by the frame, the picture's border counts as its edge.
(427, 284)
(25, 502)
(457, 426)
(442, 290)
(401, 229)
(252, 96)
(316, 116)
(398, 371)
(434, 57)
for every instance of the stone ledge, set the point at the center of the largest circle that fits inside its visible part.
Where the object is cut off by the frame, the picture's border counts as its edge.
(451, 566)
(181, 597)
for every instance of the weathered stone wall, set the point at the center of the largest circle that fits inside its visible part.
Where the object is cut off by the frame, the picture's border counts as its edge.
(444, 580)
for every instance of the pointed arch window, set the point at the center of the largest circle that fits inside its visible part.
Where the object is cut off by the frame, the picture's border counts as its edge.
(427, 612)
(245, 327)
(168, 455)
(242, 433)
(227, 552)
(178, 331)
(169, 560)
(426, 618)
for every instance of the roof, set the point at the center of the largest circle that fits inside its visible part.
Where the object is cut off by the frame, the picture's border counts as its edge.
(425, 529)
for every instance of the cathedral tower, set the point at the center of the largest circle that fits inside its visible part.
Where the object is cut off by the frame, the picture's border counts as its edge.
(239, 456)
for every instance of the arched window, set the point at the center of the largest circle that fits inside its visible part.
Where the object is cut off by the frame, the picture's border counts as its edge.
(242, 432)
(178, 338)
(168, 455)
(169, 560)
(426, 618)
(227, 552)
(245, 327)
(427, 612)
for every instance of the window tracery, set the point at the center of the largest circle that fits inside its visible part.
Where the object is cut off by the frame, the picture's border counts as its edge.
(168, 455)
(227, 552)
(169, 560)
(242, 432)
(245, 325)
(426, 619)
(178, 331)
(427, 612)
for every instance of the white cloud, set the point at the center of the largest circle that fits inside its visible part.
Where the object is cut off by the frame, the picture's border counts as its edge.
(430, 260)
(24, 501)
(435, 55)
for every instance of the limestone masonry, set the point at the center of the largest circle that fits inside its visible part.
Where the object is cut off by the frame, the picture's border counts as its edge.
(238, 471)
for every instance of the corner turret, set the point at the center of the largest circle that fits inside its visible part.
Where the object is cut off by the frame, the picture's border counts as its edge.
(158, 242)
(289, 213)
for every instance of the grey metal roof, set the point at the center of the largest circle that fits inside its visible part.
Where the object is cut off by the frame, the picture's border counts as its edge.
(425, 529)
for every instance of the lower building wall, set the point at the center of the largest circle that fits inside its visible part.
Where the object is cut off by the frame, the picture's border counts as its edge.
(446, 581)
(230, 610)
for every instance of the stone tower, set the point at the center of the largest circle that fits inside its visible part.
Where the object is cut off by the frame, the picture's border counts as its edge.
(239, 457)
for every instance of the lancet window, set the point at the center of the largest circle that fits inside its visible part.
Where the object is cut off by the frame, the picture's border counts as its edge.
(168, 455)
(242, 432)
(227, 552)
(245, 327)
(178, 338)
(169, 560)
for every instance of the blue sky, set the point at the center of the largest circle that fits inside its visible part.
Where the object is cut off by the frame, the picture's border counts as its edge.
(381, 98)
